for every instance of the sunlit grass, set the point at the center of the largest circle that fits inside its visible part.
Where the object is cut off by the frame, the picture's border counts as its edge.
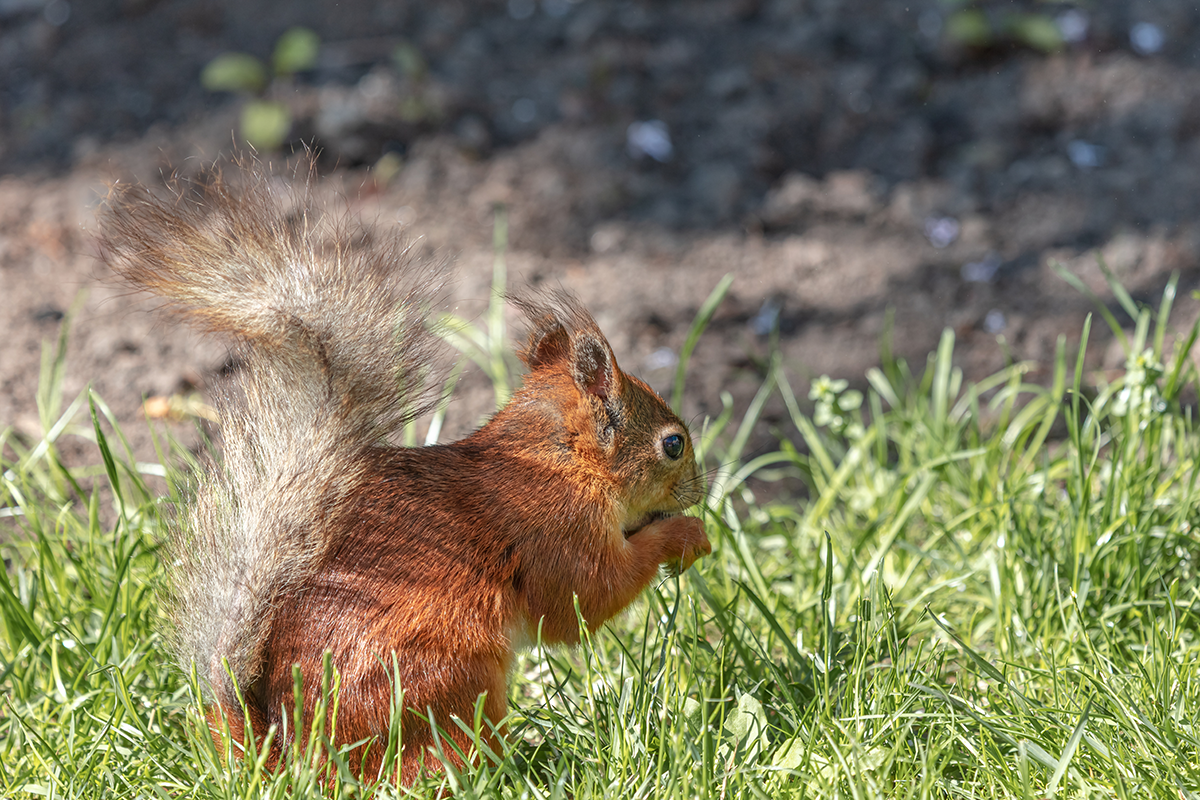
(987, 590)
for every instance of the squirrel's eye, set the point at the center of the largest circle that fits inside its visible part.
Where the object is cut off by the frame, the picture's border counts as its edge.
(673, 446)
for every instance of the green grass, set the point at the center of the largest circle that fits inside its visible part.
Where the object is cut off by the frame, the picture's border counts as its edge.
(985, 590)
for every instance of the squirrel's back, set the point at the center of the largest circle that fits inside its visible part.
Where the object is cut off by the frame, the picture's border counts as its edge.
(332, 351)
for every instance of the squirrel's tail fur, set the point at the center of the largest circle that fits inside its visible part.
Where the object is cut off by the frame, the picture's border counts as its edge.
(332, 350)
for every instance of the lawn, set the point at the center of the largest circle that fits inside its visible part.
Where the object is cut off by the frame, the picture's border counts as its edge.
(954, 590)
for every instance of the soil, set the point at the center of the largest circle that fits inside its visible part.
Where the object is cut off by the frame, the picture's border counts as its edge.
(847, 161)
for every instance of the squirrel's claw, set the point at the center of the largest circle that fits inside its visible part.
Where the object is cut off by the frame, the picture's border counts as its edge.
(691, 556)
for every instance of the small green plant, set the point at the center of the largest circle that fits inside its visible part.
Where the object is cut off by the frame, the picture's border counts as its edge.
(972, 23)
(265, 122)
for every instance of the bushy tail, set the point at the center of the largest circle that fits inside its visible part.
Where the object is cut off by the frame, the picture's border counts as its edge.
(328, 325)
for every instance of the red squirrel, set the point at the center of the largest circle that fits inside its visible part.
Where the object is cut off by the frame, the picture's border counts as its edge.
(315, 533)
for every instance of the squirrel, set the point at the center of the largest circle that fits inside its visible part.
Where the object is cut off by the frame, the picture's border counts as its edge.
(315, 533)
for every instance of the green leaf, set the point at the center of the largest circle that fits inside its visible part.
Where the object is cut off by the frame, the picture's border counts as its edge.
(1068, 752)
(969, 28)
(1035, 30)
(748, 725)
(792, 755)
(265, 124)
(234, 72)
(295, 51)
(703, 317)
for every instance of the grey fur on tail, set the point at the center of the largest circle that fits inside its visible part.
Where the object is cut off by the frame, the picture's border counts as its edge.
(328, 323)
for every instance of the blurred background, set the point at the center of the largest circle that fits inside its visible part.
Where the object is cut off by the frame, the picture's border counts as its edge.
(866, 169)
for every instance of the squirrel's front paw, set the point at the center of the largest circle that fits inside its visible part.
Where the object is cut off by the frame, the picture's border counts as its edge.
(688, 543)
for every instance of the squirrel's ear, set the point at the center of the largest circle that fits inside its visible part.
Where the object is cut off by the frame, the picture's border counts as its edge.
(564, 336)
(549, 343)
(592, 367)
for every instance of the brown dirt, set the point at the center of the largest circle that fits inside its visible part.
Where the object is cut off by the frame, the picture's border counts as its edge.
(815, 148)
